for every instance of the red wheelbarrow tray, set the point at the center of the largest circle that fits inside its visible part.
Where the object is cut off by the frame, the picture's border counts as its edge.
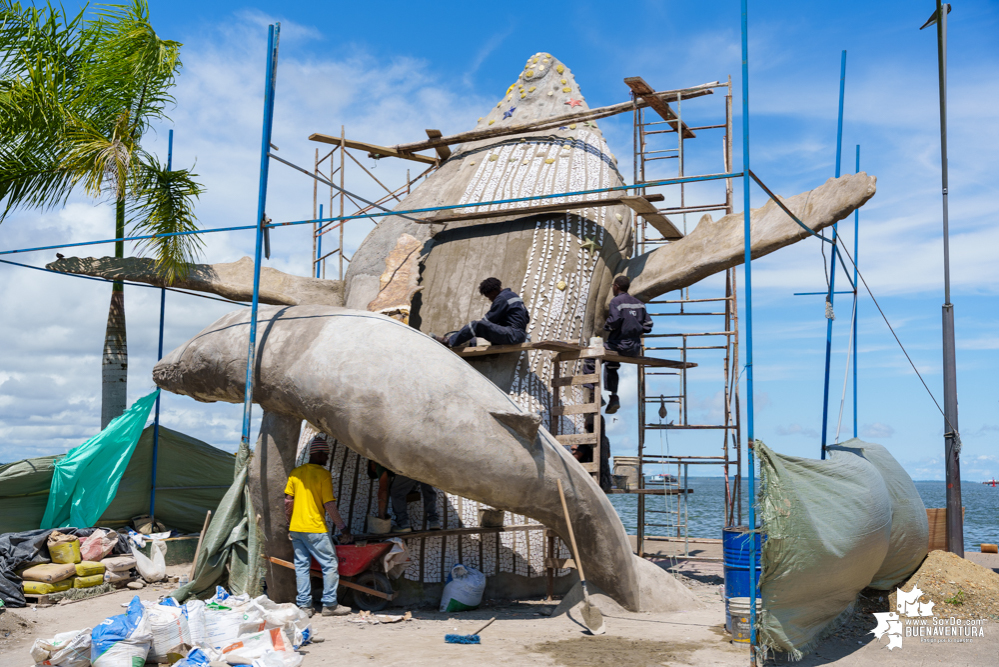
(353, 559)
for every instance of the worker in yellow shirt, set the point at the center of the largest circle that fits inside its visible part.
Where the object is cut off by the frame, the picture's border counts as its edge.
(308, 497)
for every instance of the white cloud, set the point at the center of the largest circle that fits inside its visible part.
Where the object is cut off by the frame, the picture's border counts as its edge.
(876, 430)
(797, 429)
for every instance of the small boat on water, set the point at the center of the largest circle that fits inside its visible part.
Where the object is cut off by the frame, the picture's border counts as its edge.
(662, 479)
(991, 482)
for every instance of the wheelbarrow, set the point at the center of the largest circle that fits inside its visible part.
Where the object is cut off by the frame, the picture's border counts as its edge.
(372, 590)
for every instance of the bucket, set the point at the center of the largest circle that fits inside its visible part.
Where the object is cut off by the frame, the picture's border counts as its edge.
(626, 467)
(737, 618)
(735, 554)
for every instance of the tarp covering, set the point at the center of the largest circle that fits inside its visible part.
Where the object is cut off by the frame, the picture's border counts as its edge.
(230, 550)
(829, 528)
(84, 481)
(191, 477)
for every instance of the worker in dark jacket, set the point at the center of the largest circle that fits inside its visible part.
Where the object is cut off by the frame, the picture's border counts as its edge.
(627, 322)
(504, 324)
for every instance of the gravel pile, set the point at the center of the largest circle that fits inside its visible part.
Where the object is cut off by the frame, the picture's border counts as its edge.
(956, 586)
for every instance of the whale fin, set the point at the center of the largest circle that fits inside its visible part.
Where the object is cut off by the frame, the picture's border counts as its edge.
(525, 424)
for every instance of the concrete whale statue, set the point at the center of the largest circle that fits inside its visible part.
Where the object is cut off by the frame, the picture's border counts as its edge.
(433, 418)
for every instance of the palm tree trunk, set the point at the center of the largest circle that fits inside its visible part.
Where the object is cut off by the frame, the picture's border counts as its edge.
(114, 367)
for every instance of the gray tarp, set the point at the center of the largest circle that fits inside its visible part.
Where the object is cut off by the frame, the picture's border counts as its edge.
(831, 531)
(230, 551)
(192, 477)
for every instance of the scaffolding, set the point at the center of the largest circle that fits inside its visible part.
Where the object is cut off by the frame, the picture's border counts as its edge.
(324, 171)
(706, 327)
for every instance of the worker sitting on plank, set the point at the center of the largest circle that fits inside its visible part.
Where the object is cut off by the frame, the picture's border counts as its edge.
(504, 324)
(398, 487)
(627, 322)
(308, 498)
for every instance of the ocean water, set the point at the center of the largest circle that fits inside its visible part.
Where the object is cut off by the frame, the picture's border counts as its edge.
(705, 509)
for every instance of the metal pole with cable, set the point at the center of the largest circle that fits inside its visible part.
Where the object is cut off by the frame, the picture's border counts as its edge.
(273, 36)
(832, 263)
(748, 256)
(856, 298)
(952, 437)
(159, 355)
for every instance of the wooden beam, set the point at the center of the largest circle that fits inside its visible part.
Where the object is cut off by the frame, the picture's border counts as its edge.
(537, 209)
(607, 355)
(662, 224)
(575, 379)
(443, 152)
(576, 409)
(659, 104)
(551, 345)
(555, 121)
(373, 150)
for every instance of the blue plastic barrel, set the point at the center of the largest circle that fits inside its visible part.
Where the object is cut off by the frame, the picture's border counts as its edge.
(735, 556)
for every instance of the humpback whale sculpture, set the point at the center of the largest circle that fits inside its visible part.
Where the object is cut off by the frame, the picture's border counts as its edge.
(430, 405)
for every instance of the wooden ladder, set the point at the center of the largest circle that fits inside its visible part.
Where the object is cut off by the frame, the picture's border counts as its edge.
(560, 409)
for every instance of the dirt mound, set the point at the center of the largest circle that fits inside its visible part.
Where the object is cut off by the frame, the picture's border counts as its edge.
(956, 586)
(12, 627)
(602, 651)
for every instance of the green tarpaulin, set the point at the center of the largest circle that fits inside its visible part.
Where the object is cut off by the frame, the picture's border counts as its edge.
(84, 481)
(192, 477)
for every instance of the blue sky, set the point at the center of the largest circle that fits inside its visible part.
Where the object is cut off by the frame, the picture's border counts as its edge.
(387, 71)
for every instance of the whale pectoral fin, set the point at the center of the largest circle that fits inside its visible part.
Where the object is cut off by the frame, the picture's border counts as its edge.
(525, 424)
(716, 245)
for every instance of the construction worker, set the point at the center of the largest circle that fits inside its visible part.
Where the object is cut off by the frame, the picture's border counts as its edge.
(398, 487)
(308, 497)
(504, 324)
(626, 323)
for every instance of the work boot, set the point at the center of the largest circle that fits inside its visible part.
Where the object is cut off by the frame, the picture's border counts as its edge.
(309, 611)
(434, 524)
(339, 610)
(614, 405)
(405, 529)
(443, 340)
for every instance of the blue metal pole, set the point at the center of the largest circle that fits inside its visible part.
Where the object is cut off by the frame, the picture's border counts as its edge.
(747, 231)
(319, 242)
(832, 261)
(273, 36)
(856, 299)
(159, 355)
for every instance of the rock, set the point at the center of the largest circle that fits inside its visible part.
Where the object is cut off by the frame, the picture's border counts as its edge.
(136, 585)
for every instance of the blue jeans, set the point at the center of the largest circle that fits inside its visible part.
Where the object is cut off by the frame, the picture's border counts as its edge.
(319, 545)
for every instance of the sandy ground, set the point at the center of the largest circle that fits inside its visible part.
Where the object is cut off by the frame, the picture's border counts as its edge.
(524, 634)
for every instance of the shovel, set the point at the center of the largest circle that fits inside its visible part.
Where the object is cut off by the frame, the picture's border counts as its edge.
(592, 617)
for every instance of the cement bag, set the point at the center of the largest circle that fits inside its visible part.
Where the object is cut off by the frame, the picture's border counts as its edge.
(169, 628)
(40, 588)
(117, 577)
(123, 640)
(63, 548)
(464, 589)
(910, 531)
(228, 617)
(98, 545)
(254, 645)
(196, 622)
(118, 564)
(828, 525)
(287, 616)
(49, 573)
(66, 649)
(151, 569)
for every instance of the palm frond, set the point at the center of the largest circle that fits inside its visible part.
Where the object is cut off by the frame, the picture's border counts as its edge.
(100, 161)
(163, 203)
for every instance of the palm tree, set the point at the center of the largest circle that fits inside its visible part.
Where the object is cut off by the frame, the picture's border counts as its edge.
(77, 96)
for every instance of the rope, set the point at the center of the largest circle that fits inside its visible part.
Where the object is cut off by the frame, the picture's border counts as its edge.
(846, 373)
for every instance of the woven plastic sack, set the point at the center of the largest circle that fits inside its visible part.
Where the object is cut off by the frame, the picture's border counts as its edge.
(122, 640)
(66, 649)
(910, 531)
(287, 616)
(463, 590)
(151, 569)
(828, 527)
(168, 625)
